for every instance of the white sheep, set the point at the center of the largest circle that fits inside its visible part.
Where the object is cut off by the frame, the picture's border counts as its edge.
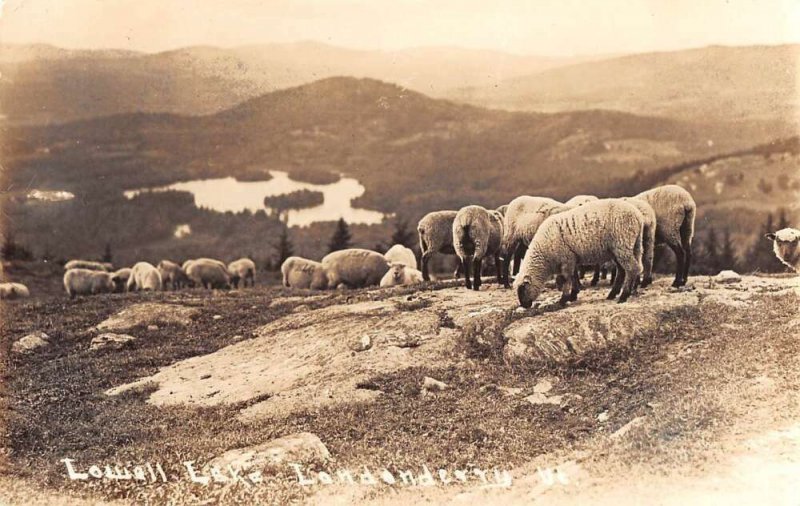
(243, 270)
(401, 274)
(185, 265)
(172, 275)
(649, 222)
(144, 276)
(354, 268)
(303, 273)
(120, 278)
(675, 212)
(786, 245)
(579, 200)
(478, 233)
(88, 282)
(590, 234)
(209, 273)
(522, 220)
(436, 236)
(400, 254)
(89, 265)
(10, 291)
(502, 209)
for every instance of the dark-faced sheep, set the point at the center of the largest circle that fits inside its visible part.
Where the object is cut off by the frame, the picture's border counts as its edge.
(243, 270)
(11, 291)
(120, 278)
(786, 245)
(208, 273)
(172, 275)
(675, 212)
(436, 236)
(478, 233)
(590, 234)
(88, 282)
(354, 268)
(144, 276)
(303, 273)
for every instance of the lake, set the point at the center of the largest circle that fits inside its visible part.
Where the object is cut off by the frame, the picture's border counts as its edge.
(228, 194)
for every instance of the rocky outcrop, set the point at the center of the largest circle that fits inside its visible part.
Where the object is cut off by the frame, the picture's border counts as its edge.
(31, 342)
(148, 313)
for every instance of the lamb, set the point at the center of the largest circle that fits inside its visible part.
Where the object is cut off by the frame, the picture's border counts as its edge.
(436, 236)
(88, 282)
(522, 220)
(579, 200)
(88, 264)
(243, 270)
(144, 276)
(303, 273)
(478, 233)
(675, 212)
(120, 278)
(786, 245)
(354, 268)
(209, 273)
(400, 254)
(401, 274)
(172, 275)
(10, 291)
(589, 234)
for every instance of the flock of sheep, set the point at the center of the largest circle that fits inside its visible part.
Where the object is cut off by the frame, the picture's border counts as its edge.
(544, 237)
(83, 277)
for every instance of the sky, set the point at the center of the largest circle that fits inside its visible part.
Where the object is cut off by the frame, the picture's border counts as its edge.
(541, 27)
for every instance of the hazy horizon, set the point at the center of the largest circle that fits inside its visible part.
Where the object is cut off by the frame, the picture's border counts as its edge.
(544, 28)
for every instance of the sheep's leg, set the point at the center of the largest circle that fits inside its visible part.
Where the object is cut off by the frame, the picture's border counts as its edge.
(506, 267)
(477, 268)
(596, 276)
(618, 277)
(680, 260)
(467, 263)
(519, 253)
(687, 260)
(459, 268)
(426, 256)
(502, 276)
(576, 286)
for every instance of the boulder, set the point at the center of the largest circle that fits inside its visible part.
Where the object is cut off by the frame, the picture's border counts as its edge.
(147, 314)
(300, 448)
(540, 398)
(725, 277)
(31, 342)
(433, 385)
(111, 341)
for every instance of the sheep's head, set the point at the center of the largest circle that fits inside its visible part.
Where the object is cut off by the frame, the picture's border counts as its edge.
(397, 271)
(527, 291)
(786, 244)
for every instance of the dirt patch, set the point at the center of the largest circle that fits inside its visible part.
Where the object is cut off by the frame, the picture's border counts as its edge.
(148, 313)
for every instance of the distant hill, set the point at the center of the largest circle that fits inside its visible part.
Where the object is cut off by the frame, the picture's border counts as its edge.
(43, 83)
(719, 84)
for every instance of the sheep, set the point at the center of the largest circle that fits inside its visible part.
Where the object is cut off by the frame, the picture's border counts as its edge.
(648, 238)
(172, 275)
(589, 234)
(120, 278)
(786, 245)
(88, 282)
(675, 212)
(478, 233)
(436, 236)
(144, 276)
(401, 274)
(208, 273)
(502, 209)
(579, 200)
(522, 219)
(400, 254)
(303, 273)
(185, 265)
(243, 270)
(354, 268)
(10, 291)
(89, 265)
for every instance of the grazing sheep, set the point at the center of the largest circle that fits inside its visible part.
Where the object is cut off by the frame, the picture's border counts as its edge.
(303, 273)
(675, 211)
(478, 233)
(88, 282)
(243, 269)
(10, 291)
(786, 245)
(172, 275)
(590, 234)
(354, 268)
(89, 265)
(208, 273)
(648, 238)
(185, 265)
(120, 278)
(400, 254)
(579, 200)
(144, 276)
(522, 220)
(436, 236)
(401, 274)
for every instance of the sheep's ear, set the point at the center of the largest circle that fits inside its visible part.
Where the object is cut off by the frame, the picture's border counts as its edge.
(770, 236)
